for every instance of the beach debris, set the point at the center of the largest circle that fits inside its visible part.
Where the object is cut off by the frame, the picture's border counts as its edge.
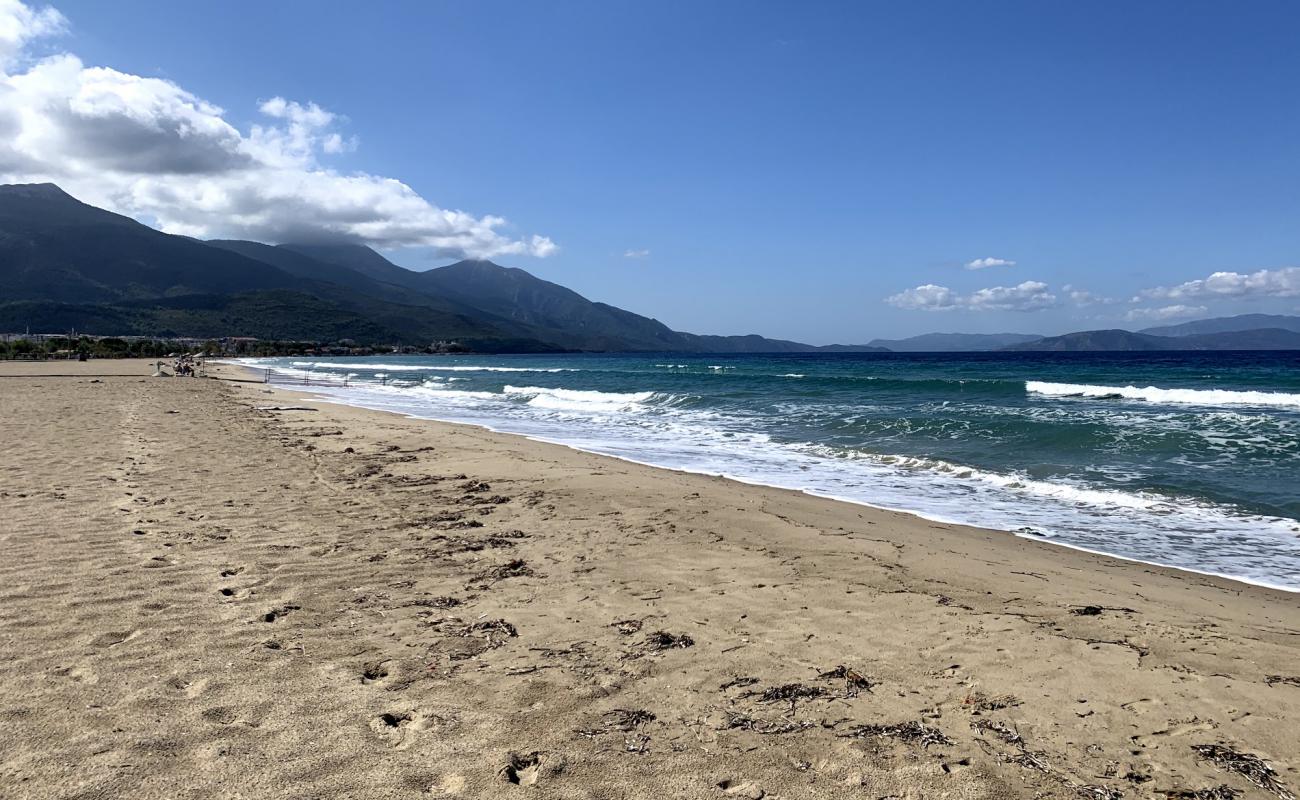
(621, 720)
(999, 730)
(663, 640)
(1220, 792)
(625, 719)
(979, 702)
(743, 680)
(658, 642)
(738, 721)
(511, 569)
(496, 631)
(1249, 766)
(435, 602)
(1292, 680)
(910, 732)
(1094, 792)
(475, 486)
(854, 681)
(627, 627)
(1096, 611)
(640, 743)
(790, 692)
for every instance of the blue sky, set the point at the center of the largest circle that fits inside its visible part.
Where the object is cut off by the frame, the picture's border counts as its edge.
(817, 171)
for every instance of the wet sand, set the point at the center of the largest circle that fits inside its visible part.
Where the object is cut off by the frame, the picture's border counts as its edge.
(204, 597)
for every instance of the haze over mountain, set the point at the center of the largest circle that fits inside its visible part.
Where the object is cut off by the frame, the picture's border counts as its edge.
(1241, 322)
(1115, 340)
(65, 264)
(954, 342)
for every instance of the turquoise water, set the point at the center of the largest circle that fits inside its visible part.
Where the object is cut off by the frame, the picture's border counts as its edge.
(1187, 460)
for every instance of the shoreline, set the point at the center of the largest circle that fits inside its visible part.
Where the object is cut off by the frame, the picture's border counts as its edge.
(347, 602)
(920, 515)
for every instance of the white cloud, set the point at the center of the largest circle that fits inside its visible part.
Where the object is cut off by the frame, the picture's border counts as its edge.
(148, 148)
(1283, 282)
(1165, 312)
(985, 263)
(1027, 296)
(20, 24)
(636, 253)
(1082, 297)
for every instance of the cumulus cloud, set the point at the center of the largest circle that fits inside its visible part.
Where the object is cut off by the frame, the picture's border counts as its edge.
(985, 263)
(148, 148)
(20, 24)
(1283, 282)
(1083, 297)
(636, 253)
(1164, 312)
(1027, 296)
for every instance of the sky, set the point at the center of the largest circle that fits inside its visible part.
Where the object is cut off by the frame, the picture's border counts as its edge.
(826, 172)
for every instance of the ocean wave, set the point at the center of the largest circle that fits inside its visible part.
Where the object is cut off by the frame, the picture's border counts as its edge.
(1154, 394)
(578, 400)
(426, 367)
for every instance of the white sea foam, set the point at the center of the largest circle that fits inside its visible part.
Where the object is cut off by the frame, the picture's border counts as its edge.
(575, 400)
(426, 367)
(1154, 394)
(662, 430)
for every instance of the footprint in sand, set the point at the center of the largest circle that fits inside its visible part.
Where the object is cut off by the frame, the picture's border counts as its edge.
(113, 638)
(279, 613)
(79, 674)
(400, 727)
(374, 672)
(522, 769)
(746, 789)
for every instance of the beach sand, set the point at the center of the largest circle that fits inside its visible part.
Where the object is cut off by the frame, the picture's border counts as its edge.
(201, 598)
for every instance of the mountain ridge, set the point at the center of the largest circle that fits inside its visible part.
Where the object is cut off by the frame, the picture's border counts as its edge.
(64, 263)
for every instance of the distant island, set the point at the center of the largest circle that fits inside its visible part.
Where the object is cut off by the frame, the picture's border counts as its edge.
(66, 265)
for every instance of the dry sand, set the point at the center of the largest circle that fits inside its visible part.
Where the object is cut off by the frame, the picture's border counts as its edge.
(201, 599)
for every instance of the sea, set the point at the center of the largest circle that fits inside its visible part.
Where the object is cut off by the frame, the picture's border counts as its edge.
(1188, 460)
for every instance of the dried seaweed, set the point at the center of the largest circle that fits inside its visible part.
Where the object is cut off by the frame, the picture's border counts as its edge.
(625, 719)
(1221, 792)
(1292, 680)
(435, 602)
(742, 722)
(1249, 766)
(627, 627)
(743, 680)
(910, 732)
(1094, 792)
(788, 692)
(663, 640)
(620, 720)
(511, 569)
(999, 730)
(854, 681)
(979, 702)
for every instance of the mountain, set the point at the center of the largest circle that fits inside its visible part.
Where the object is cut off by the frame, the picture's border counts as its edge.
(54, 247)
(954, 342)
(542, 309)
(1241, 322)
(59, 257)
(1121, 340)
(65, 264)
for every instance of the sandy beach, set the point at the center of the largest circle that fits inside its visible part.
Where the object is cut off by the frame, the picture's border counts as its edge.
(214, 589)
